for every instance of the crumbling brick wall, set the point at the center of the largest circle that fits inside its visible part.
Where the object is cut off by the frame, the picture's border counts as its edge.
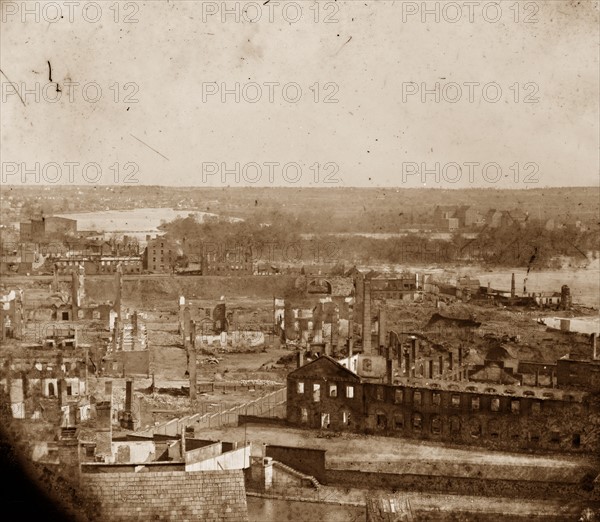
(210, 496)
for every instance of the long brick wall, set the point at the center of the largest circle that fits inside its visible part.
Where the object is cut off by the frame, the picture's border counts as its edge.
(210, 496)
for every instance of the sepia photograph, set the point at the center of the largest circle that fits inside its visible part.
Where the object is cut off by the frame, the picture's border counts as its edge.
(298, 261)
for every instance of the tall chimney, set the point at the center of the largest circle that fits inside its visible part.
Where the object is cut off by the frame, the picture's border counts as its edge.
(181, 308)
(74, 293)
(62, 393)
(382, 328)
(128, 394)
(126, 419)
(512, 287)
(104, 422)
(594, 343)
(116, 334)
(54, 278)
(389, 371)
(119, 278)
(183, 447)
(300, 358)
(191, 348)
(185, 334)
(366, 330)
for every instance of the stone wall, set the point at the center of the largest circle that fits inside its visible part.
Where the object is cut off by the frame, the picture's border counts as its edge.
(465, 486)
(210, 496)
(306, 460)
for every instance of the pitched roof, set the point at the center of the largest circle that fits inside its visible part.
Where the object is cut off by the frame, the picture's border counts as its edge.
(326, 366)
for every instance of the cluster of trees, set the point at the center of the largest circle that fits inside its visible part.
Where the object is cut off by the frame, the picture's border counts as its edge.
(251, 233)
(531, 245)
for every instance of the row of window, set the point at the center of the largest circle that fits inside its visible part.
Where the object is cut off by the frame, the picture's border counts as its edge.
(228, 267)
(416, 423)
(332, 392)
(417, 398)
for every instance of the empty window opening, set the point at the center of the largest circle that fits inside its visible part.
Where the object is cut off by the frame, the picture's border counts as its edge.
(303, 415)
(333, 390)
(316, 392)
(398, 421)
(436, 425)
(455, 401)
(417, 422)
(398, 396)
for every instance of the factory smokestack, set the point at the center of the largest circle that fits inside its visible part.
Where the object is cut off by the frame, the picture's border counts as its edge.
(513, 287)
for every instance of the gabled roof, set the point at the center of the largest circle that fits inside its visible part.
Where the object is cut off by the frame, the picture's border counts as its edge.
(324, 366)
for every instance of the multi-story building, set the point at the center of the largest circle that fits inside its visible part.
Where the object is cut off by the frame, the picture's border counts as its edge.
(161, 255)
(325, 394)
(234, 262)
(100, 264)
(42, 229)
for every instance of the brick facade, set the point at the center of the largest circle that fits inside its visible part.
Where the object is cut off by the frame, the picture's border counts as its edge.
(323, 394)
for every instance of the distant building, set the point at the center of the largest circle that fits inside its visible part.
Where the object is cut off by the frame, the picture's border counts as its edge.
(493, 218)
(468, 217)
(160, 255)
(403, 288)
(39, 230)
(234, 262)
(455, 217)
(100, 264)
(517, 217)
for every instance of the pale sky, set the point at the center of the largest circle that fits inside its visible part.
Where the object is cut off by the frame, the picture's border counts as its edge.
(177, 52)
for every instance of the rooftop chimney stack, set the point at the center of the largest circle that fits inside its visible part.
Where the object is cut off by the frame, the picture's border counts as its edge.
(104, 423)
(181, 308)
(191, 350)
(119, 277)
(126, 417)
(74, 294)
(382, 328)
(366, 330)
(54, 278)
(300, 358)
(128, 394)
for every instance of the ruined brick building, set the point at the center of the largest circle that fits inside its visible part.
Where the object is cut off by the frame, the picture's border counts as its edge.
(325, 394)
